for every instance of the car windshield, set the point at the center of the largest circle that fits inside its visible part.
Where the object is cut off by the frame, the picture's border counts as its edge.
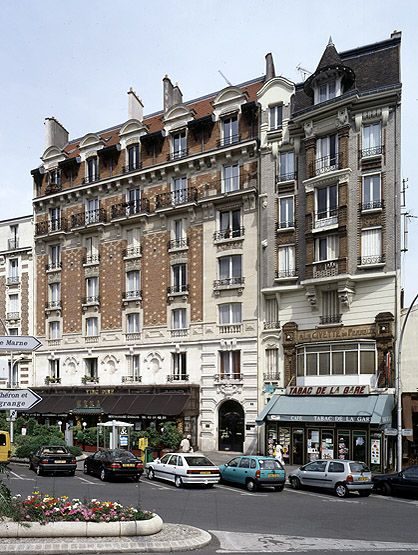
(198, 461)
(54, 451)
(269, 464)
(359, 467)
(121, 453)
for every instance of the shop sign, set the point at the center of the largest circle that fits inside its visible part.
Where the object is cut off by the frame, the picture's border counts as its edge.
(319, 418)
(328, 390)
(337, 333)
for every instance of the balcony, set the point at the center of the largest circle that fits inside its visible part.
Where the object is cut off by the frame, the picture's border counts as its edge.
(131, 208)
(133, 251)
(178, 154)
(88, 217)
(50, 226)
(227, 283)
(282, 178)
(89, 379)
(133, 336)
(230, 328)
(285, 225)
(271, 376)
(228, 234)
(13, 316)
(176, 198)
(180, 332)
(326, 164)
(91, 259)
(54, 187)
(54, 342)
(13, 280)
(132, 295)
(372, 260)
(330, 319)
(374, 205)
(134, 166)
(325, 219)
(90, 300)
(286, 274)
(52, 380)
(181, 289)
(13, 244)
(53, 266)
(325, 269)
(373, 151)
(271, 325)
(131, 379)
(229, 140)
(177, 244)
(53, 305)
(228, 377)
(91, 178)
(178, 377)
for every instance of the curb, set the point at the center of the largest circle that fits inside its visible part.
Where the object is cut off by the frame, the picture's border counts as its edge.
(173, 537)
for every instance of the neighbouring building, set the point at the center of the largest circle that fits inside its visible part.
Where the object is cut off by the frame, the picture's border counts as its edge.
(330, 230)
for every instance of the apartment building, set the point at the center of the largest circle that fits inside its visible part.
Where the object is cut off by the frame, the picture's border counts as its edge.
(329, 230)
(146, 268)
(16, 294)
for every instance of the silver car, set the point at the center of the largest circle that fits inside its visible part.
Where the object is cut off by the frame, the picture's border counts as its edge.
(341, 476)
(184, 468)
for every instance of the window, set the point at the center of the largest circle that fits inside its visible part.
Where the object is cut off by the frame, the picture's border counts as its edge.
(13, 242)
(230, 180)
(179, 145)
(178, 233)
(272, 364)
(230, 364)
(13, 270)
(179, 366)
(179, 190)
(92, 250)
(326, 206)
(326, 91)
(91, 368)
(92, 327)
(135, 368)
(326, 248)
(92, 169)
(132, 323)
(287, 166)
(133, 157)
(179, 278)
(349, 358)
(178, 229)
(54, 257)
(230, 130)
(54, 330)
(54, 295)
(54, 369)
(178, 318)
(330, 308)
(230, 270)
(134, 201)
(286, 262)
(271, 313)
(55, 218)
(371, 246)
(245, 463)
(286, 212)
(133, 242)
(371, 140)
(132, 283)
(14, 304)
(230, 313)
(229, 224)
(92, 211)
(275, 117)
(54, 177)
(13, 331)
(372, 196)
(326, 154)
(92, 290)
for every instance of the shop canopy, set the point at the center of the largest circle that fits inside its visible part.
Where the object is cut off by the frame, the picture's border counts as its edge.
(367, 409)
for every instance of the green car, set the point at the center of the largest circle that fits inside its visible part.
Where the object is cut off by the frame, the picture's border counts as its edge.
(253, 472)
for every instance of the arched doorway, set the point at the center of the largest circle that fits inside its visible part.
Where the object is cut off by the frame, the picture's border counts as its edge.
(231, 426)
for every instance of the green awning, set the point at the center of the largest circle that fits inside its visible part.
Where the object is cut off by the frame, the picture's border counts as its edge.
(366, 409)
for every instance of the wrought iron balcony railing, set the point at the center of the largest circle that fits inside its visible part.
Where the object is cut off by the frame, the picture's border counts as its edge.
(271, 376)
(51, 305)
(131, 379)
(175, 198)
(132, 251)
(373, 205)
(180, 332)
(91, 299)
(181, 288)
(237, 376)
(178, 243)
(286, 177)
(89, 379)
(372, 259)
(88, 217)
(325, 218)
(229, 140)
(91, 178)
(325, 164)
(286, 224)
(330, 319)
(56, 224)
(132, 294)
(178, 377)
(133, 166)
(372, 151)
(227, 282)
(130, 208)
(12, 280)
(177, 154)
(13, 316)
(133, 336)
(290, 273)
(229, 234)
(51, 380)
(91, 259)
(272, 325)
(13, 244)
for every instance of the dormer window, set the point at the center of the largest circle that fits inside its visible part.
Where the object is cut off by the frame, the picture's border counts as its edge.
(133, 157)
(92, 169)
(179, 145)
(54, 177)
(275, 117)
(327, 90)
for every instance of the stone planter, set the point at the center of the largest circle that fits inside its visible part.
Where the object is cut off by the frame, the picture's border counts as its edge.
(81, 529)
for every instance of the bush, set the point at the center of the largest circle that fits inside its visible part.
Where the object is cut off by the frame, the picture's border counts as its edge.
(75, 450)
(25, 445)
(171, 436)
(87, 436)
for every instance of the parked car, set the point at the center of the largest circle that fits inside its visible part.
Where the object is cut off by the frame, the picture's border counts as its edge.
(341, 476)
(254, 472)
(5, 448)
(187, 468)
(52, 458)
(404, 482)
(109, 463)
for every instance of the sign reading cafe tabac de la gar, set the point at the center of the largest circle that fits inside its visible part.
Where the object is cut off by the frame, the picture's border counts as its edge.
(328, 390)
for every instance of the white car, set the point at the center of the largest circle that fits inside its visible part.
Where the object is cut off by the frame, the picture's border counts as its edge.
(184, 468)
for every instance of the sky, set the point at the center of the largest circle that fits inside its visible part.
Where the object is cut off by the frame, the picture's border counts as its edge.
(76, 61)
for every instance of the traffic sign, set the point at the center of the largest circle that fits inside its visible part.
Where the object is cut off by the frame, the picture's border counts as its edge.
(13, 415)
(407, 432)
(19, 343)
(18, 399)
(391, 431)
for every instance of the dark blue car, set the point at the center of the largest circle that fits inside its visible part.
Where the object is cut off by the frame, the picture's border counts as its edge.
(253, 472)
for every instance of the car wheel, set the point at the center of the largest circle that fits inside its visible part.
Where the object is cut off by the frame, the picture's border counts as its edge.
(295, 482)
(386, 489)
(86, 469)
(136, 477)
(151, 474)
(365, 492)
(341, 490)
(251, 485)
(178, 482)
(71, 473)
(279, 488)
(103, 475)
(39, 471)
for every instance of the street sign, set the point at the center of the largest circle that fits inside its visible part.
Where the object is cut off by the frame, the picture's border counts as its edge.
(390, 431)
(18, 343)
(18, 399)
(123, 441)
(13, 415)
(407, 432)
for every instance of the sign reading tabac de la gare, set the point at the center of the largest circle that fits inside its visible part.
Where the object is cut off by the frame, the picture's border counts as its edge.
(328, 390)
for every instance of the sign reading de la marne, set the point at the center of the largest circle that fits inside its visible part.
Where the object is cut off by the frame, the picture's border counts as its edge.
(18, 343)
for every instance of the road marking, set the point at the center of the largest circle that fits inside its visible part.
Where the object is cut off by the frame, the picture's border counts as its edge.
(244, 542)
(88, 481)
(240, 492)
(18, 477)
(155, 485)
(323, 496)
(397, 500)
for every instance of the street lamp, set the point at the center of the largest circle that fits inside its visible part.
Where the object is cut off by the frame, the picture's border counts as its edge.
(84, 424)
(59, 424)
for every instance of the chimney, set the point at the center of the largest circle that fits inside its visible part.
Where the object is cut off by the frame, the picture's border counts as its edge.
(168, 90)
(270, 71)
(135, 106)
(55, 133)
(396, 34)
(177, 95)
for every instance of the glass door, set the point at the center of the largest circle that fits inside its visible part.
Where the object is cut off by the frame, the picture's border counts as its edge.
(359, 446)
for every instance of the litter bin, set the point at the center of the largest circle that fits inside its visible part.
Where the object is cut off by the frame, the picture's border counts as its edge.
(148, 455)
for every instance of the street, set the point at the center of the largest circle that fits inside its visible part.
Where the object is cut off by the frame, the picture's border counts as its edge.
(243, 522)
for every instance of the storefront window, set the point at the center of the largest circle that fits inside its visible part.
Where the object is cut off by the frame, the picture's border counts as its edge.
(324, 364)
(313, 445)
(367, 362)
(343, 445)
(327, 444)
(359, 446)
(351, 363)
(311, 366)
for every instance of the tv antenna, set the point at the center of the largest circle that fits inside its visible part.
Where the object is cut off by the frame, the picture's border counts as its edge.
(304, 73)
(229, 82)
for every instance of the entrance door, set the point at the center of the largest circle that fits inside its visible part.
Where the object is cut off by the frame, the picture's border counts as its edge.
(231, 426)
(297, 446)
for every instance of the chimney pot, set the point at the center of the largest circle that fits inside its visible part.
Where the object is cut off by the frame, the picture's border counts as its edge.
(55, 133)
(168, 93)
(135, 106)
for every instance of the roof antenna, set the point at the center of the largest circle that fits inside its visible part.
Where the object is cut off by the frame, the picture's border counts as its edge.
(303, 72)
(229, 82)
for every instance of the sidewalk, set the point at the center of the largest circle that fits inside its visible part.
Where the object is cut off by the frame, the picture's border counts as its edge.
(173, 537)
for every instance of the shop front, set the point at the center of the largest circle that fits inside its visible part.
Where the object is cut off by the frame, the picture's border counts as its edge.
(339, 422)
